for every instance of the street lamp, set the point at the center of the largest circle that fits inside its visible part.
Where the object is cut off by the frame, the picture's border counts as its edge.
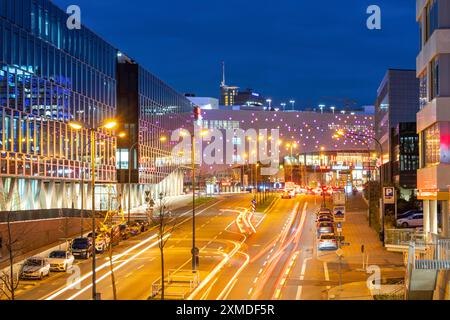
(292, 102)
(333, 108)
(109, 124)
(283, 105)
(321, 107)
(194, 250)
(269, 101)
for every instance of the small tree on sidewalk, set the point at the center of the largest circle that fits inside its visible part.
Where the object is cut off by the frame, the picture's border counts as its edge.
(165, 226)
(9, 280)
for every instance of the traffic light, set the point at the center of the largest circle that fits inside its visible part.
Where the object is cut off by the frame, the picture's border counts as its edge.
(197, 113)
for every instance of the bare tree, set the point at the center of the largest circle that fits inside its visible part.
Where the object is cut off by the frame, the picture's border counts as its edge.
(166, 225)
(9, 280)
(109, 227)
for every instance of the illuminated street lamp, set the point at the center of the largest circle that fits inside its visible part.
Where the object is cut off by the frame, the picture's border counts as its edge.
(292, 102)
(283, 105)
(269, 101)
(321, 107)
(109, 124)
(194, 250)
(333, 108)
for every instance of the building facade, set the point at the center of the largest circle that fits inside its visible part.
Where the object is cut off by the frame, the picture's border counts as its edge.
(405, 151)
(150, 111)
(49, 76)
(397, 101)
(433, 119)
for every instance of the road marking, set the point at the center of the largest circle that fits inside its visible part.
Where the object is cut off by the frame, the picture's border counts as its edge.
(256, 280)
(302, 277)
(250, 291)
(327, 275)
(140, 267)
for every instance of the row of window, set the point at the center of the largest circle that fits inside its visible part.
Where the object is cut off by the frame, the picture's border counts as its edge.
(28, 136)
(48, 22)
(33, 56)
(39, 167)
(41, 98)
(430, 22)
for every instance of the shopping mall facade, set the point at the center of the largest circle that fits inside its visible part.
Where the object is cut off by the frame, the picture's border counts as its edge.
(309, 154)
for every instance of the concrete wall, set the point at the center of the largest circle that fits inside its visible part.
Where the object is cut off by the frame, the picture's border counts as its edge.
(32, 235)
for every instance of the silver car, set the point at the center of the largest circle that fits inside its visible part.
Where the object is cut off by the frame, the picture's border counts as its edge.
(327, 242)
(325, 227)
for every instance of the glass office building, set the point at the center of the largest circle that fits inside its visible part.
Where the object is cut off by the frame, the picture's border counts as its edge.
(397, 101)
(50, 75)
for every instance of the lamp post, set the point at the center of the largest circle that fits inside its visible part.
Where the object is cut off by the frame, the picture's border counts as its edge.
(292, 102)
(110, 124)
(194, 250)
(130, 150)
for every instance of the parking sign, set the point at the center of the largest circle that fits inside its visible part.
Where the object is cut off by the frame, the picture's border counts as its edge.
(389, 195)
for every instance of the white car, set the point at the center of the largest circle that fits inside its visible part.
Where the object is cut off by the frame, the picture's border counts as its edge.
(327, 241)
(60, 260)
(35, 268)
(413, 221)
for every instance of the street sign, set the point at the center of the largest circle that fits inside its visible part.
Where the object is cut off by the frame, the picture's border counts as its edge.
(339, 227)
(345, 244)
(340, 252)
(389, 195)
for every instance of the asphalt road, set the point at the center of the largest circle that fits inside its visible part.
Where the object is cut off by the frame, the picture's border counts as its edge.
(278, 261)
(137, 261)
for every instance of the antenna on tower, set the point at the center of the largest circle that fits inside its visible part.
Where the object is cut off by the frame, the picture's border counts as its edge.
(223, 74)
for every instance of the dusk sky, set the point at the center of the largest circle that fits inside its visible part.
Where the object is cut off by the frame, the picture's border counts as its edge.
(306, 50)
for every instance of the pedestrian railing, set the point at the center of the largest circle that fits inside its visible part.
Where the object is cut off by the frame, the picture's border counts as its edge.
(401, 238)
(435, 256)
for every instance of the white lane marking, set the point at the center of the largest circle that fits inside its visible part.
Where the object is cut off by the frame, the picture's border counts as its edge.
(327, 274)
(302, 277)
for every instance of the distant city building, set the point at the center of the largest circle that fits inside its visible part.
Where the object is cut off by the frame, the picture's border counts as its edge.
(433, 119)
(397, 101)
(405, 157)
(232, 96)
(312, 133)
(205, 103)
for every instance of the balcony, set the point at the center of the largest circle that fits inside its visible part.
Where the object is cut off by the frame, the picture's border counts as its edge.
(420, 6)
(439, 43)
(436, 178)
(438, 110)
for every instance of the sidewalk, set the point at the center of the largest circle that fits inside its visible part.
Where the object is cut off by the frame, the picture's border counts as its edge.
(357, 234)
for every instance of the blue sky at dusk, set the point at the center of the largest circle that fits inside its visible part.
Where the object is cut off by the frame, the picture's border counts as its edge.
(306, 50)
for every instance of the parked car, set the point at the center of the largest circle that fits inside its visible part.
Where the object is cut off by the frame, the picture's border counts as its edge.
(324, 211)
(408, 214)
(325, 227)
(82, 248)
(327, 241)
(60, 260)
(35, 268)
(145, 225)
(102, 242)
(135, 228)
(125, 232)
(324, 218)
(413, 221)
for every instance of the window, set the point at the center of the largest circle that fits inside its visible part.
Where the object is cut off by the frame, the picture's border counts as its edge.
(432, 145)
(423, 88)
(434, 81)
